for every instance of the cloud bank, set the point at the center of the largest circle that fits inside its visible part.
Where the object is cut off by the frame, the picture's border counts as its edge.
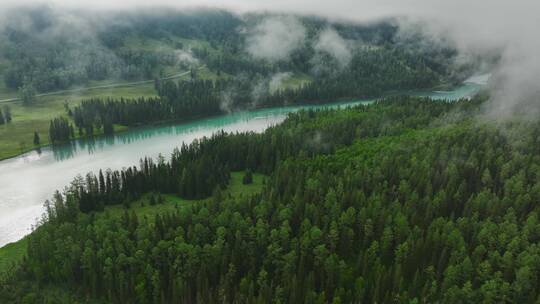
(275, 38)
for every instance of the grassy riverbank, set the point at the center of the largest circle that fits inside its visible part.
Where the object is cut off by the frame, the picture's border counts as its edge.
(17, 137)
(13, 253)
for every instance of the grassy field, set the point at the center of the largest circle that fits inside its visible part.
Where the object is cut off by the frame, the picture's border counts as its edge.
(142, 207)
(296, 81)
(14, 252)
(17, 137)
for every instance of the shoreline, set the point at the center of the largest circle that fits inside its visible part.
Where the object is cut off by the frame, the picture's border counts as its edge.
(185, 120)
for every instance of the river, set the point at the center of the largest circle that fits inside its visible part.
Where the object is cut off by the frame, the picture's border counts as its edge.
(28, 180)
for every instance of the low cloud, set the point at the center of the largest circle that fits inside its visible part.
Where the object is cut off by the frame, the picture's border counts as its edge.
(266, 86)
(39, 29)
(275, 38)
(227, 101)
(276, 81)
(330, 42)
(186, 58)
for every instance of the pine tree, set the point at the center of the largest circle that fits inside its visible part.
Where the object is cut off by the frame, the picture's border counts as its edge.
(27, 93)
(7, 113)
(102, 186)
(248, 177)
(108, 128)
(36, 138)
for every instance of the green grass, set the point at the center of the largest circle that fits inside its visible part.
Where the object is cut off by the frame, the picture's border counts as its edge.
(11, 254)
(206, 74)
(14, 252)
(237, 188)
(296, 81)
(17, 137)
(142, 206)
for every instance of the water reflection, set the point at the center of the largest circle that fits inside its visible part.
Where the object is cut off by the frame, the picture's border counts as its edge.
(95, 144)
(64, 151)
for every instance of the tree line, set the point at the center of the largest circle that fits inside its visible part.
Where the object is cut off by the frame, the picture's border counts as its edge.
(60, 130)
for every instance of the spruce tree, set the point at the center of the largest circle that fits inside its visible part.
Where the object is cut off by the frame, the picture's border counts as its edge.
(7, 113)
(36, 138)
(248, 177)
(27, 93)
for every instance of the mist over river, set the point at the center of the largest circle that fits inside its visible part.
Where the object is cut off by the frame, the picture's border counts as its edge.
(28, 180)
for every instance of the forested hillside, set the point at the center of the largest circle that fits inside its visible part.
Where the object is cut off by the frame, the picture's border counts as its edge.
(406, 200)
(54, 51)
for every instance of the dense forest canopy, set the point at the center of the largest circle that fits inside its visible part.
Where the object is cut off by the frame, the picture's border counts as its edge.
(405, 200)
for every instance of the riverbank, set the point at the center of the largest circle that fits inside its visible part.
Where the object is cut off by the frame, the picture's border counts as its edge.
(16, 147)
(13, 253)
(37, 148)
(16, 138)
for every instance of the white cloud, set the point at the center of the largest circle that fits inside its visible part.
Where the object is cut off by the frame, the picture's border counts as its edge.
(276, 81)
(275, 38)
(331, 42)
(185, 57)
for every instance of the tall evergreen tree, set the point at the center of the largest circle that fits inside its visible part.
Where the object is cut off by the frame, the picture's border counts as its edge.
(27, 93)
(36, 138)
(248, 177)
(7, 113)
